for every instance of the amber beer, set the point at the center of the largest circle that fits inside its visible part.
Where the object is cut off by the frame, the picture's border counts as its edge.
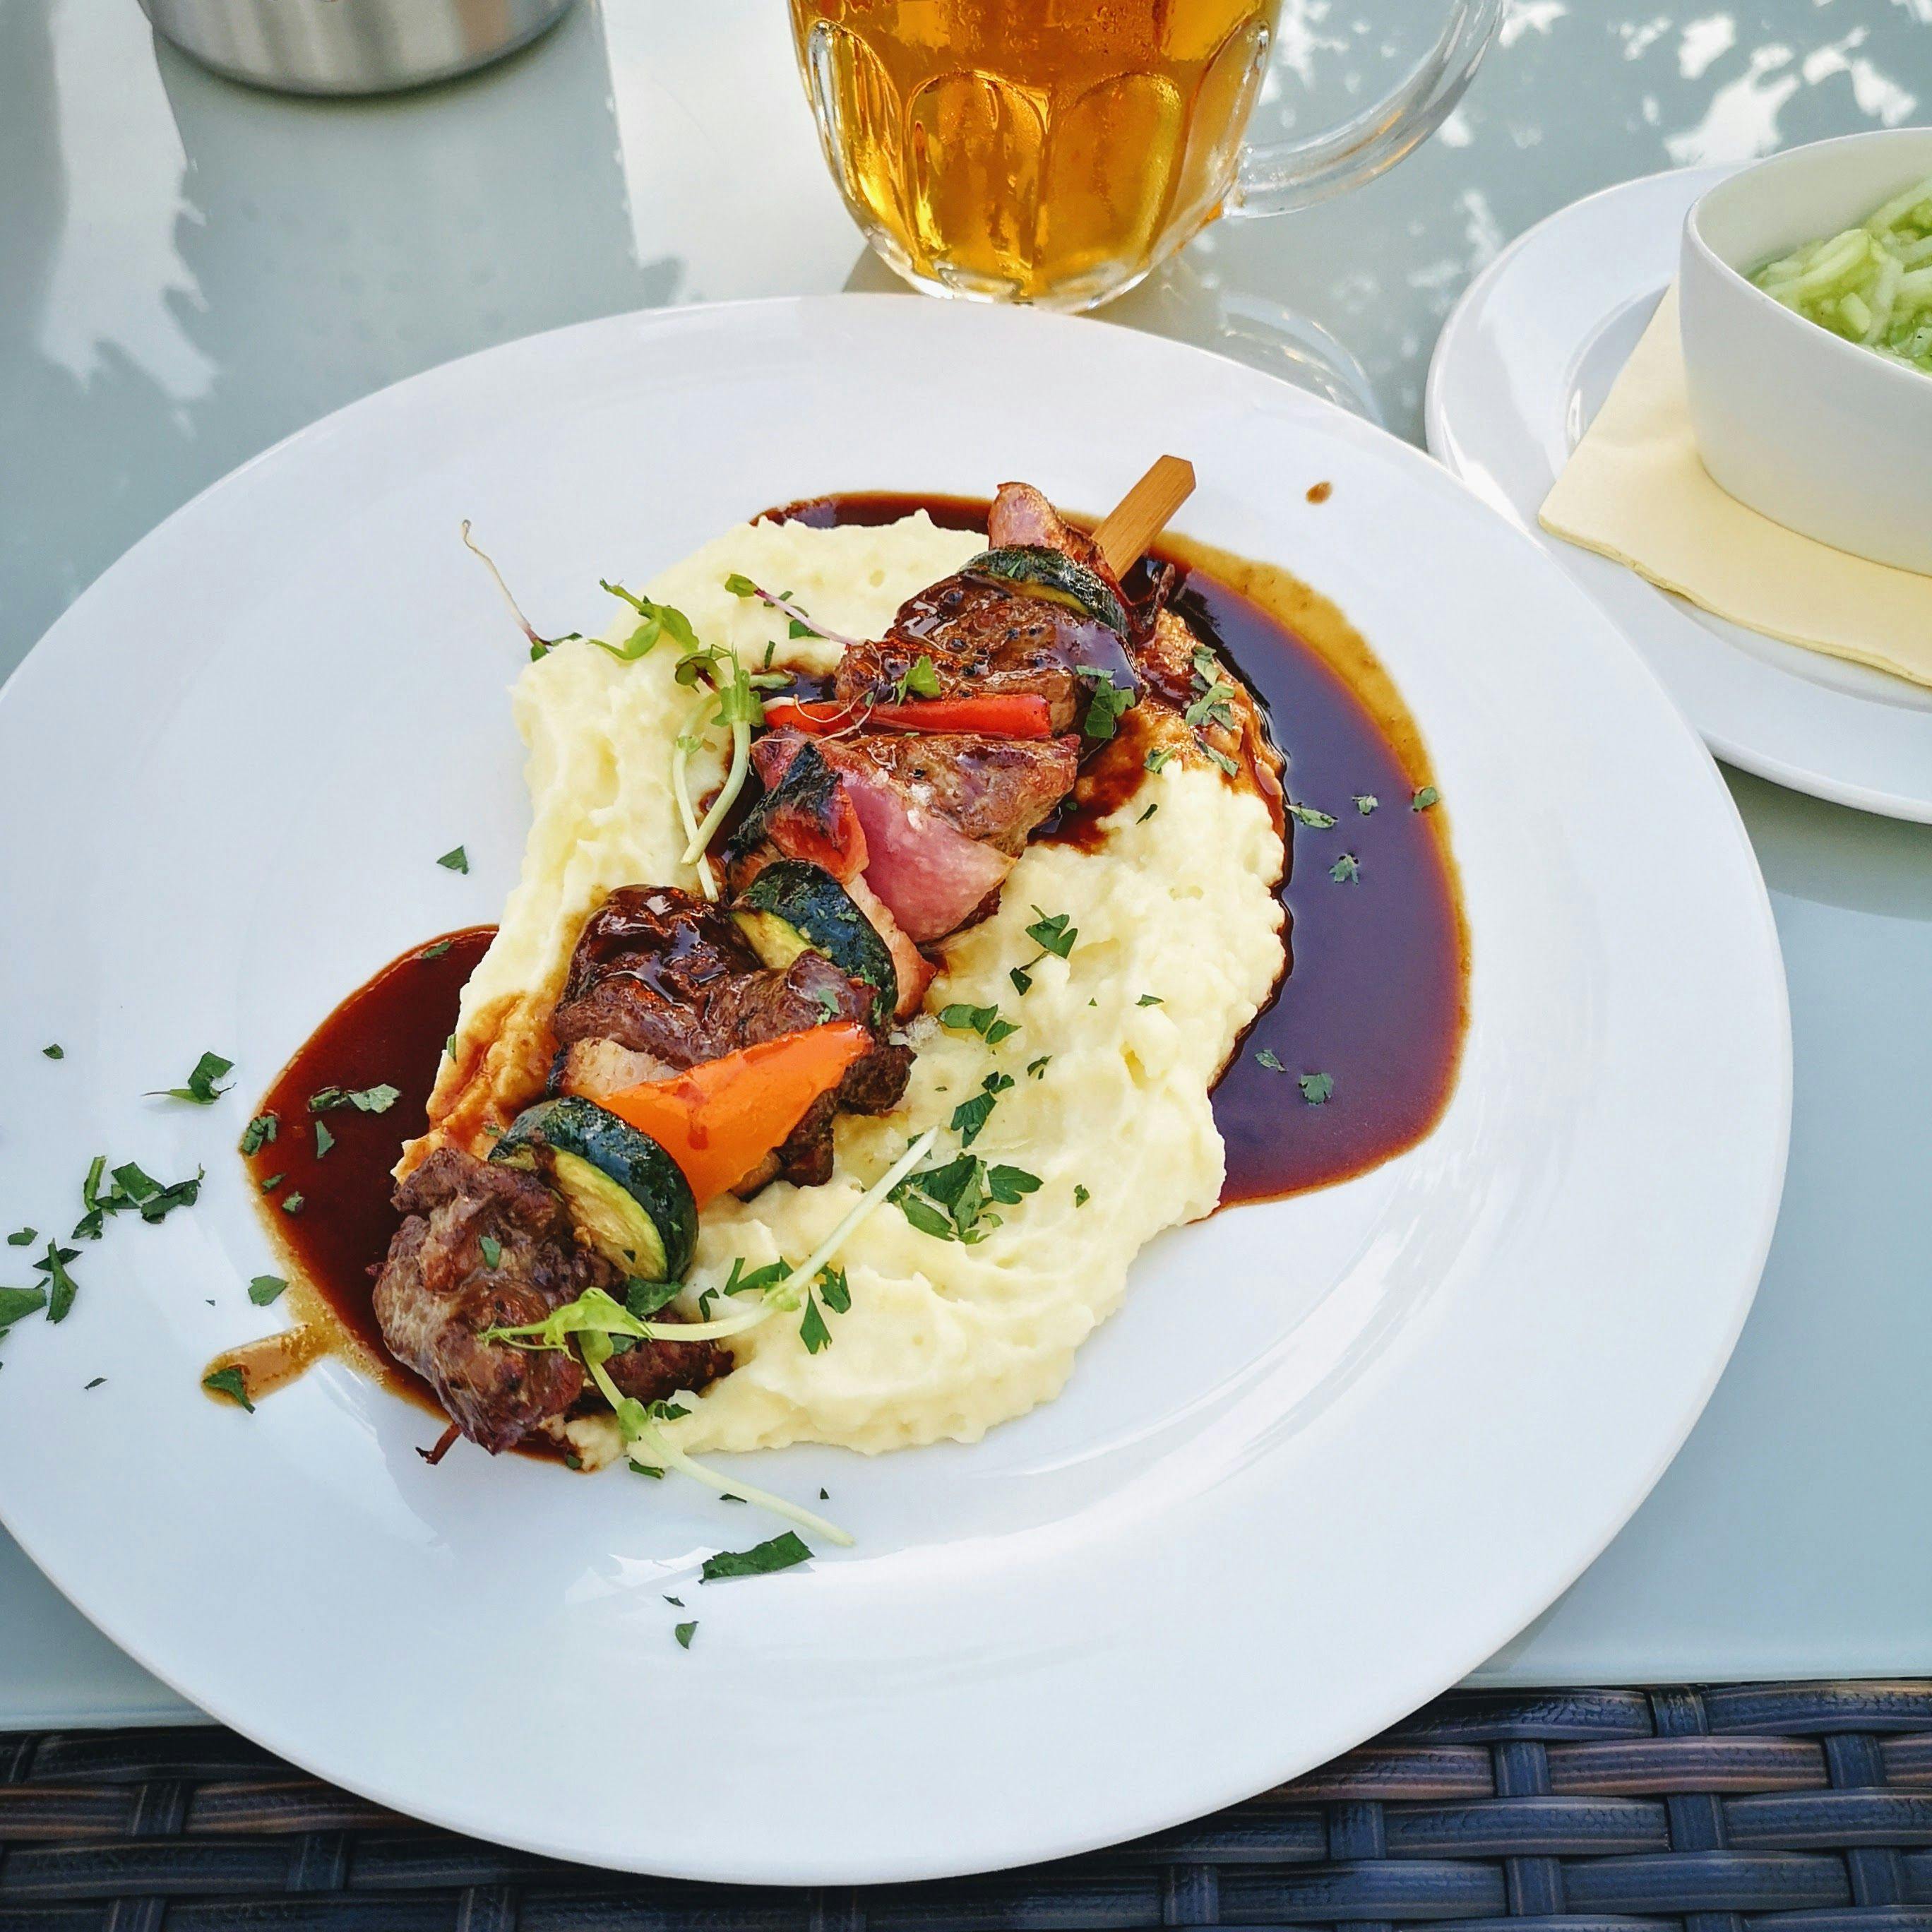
(1047, 151)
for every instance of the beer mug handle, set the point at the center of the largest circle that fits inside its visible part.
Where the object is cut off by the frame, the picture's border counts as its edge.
(1278, 176)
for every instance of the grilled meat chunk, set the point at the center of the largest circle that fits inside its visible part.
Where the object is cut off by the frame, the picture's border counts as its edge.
(662, 981)
(436, 1295)
(994, 789)
(930, 875)
(984, 636)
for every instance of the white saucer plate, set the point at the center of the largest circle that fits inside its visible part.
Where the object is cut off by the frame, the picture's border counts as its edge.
(1521, 367)
(1331, 1453)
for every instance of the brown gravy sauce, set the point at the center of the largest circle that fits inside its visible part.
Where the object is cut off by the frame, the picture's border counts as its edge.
(1373, 994)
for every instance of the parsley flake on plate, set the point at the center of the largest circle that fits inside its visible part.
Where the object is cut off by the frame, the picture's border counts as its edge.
(229, 1382)
(492, 1250)
(954, 1201)
(266, 1289)
(435, 952)
(1022, 980)
(259, 1132)
(1427, 797)
(324, 1139)
(1315, 821)
(1366, 802)
(1150, 1000)
(17, 1304)
(1347, 870)
(780, 1552)
(1315, 1087)
(21, 1238)
(970, 1116)
(1080, 1196)
(60, 1285)
(201, 1090)
(1266, 1057)
(56, 1051)
(684, 1634)
(364, 1099)
(454, 860)
(1161, 756)
(1053, 933)
(292, 1203)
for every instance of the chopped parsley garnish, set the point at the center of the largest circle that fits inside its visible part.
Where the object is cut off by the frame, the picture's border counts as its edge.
(1221, 758)
(781, 1552)
(435, 952)
(55, 1052)
(1424, 799)
(17, 1304)
(292, 1203)
(1149, 813)
(1211, 707)
(954, 1201)
(1366, 802)
(229, 1382)
(1053, 933)
(364, 1099)
(1108, 703)
(1080, 1196)
(1315, 1087)
(134, 1189)
(274, 1181)
(259, 1132)
(1315, 821)
(660, 620)
(637, 1468)
(1036, 1069)
(684, 1633)
(1266, 1057)
(454, 860)
(21, 1238)
(985, 1021)
(1160, 756)
(920, 679)
(1346, 871)
(835, 1288)
(676, 1602)
(324, 1139)
(1021, 979)
(266, 1289)
(641, 1298)
(970, 1116)
(812, 1331)
(1150, 1000)
(98, 1382)
(492, 1251)
(201, 1090)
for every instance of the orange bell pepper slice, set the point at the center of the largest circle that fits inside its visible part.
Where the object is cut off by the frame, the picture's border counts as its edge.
(719, 1120)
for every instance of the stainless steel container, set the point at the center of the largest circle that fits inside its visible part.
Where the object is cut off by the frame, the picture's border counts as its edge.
(348, 46)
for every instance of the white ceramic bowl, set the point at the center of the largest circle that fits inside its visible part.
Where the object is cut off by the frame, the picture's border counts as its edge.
(1815, 432)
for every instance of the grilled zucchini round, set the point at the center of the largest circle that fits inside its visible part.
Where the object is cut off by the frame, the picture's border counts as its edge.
(1051, 574)
(628, 1197)
(792, 907)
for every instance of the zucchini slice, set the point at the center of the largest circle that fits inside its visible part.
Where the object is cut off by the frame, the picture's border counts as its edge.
(629, 1199)
(1053, 574)
(792, 907)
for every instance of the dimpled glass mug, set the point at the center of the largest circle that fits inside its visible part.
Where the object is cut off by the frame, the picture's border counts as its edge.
(1055, 151)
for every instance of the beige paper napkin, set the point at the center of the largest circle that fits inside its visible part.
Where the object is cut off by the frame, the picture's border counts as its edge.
(1636, 490)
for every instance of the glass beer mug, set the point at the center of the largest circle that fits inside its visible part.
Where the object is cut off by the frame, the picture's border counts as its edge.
(1055, 151)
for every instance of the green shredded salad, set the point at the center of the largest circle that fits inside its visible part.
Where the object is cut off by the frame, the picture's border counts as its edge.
(1871, 284)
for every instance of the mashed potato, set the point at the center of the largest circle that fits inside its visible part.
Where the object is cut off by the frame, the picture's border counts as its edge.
(1117, 1046)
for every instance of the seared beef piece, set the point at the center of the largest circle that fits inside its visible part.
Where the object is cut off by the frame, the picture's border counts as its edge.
(654, 1371)
(669, 979)
(984, 637)
(928, 873)
(994, 789)
(435, 1296)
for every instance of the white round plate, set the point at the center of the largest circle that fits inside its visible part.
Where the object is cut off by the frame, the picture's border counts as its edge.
(1332, 1453)
(1522, 366)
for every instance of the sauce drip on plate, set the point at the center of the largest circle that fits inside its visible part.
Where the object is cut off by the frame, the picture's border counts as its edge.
(389, 1032)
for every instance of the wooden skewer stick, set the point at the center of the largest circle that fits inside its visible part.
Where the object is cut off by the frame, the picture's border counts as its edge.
(1124, 533)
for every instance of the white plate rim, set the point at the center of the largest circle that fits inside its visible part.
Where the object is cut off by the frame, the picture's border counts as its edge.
(1240, 1774)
